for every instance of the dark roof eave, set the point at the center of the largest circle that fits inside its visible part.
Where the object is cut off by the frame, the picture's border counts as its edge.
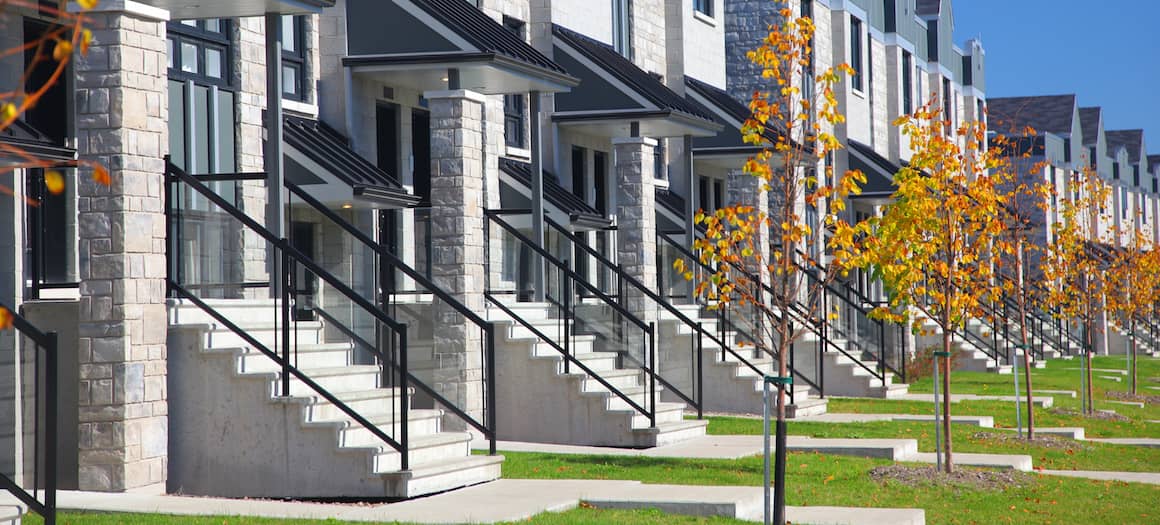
(503, 61)
(678, 117)
(726, 152)
(388, 196)
(589, 222)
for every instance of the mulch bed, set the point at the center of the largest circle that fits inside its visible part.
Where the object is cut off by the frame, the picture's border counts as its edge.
(1106, 416)
(1041, 440)
(1124, 396)
(914, 476)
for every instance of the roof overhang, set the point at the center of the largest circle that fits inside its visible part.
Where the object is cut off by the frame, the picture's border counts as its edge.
(186, 9)
(487, 73)
(332, 191)
(879, 172)
(651, 122)
(23, 146)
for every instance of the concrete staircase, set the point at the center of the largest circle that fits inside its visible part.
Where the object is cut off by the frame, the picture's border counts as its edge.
(730, 385)
(844, 376)
(232, 434)
(539, 399)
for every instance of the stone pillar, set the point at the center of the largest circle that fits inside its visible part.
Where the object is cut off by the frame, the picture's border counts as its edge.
(744, 189)
(457, 242)
(636, 217)
(123, 430)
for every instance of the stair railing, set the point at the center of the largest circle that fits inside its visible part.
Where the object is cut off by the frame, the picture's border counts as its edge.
(46, 408)
(183, 191)
(615, 328)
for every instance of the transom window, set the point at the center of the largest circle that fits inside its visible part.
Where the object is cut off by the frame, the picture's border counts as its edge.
(856, 52)
(294, 57)
(704, 7)
(199, 50)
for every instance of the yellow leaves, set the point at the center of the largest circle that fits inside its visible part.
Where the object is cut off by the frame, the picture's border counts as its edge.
(62, 51)
(88, 5)
(7, 112)
(101, 175)
(86, 40)
(5, 318)
(54, 182)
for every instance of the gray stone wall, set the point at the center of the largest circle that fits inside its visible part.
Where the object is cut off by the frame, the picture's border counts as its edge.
(457, 238)
(636, 217)
(746, 24)
(251, 102)
(123, 434)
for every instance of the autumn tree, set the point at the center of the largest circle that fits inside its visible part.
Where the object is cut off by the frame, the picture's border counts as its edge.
(1131, 287)
(55, 48)
(934, 245)
(794, 129)
(1073, 270)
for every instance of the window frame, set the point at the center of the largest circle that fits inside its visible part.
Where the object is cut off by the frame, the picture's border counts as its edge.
(179, 33)
(907, 82)
(856, 53)
(704, 7)
(296, 59)
(622, 27)
(513, 105)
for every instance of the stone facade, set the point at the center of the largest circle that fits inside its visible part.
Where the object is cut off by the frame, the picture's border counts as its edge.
(458, 242)
(636, 217)
(121, 124)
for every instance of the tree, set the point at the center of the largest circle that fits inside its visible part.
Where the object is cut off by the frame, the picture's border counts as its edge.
(794, 130)
(56, 47)
(934, 245)
(1131, 281)
(1073, 270)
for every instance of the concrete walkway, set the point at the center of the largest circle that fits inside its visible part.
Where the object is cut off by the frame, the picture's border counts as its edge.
(830, 417)
(503, 500)
(1040, 401)
(1133, 477)
(1138, 442)
(734, 447)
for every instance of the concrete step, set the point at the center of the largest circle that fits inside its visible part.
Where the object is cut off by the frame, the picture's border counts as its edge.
(439, 476)
(429, 448)
(304, 356)
(420, 423)
(670, 432)
(239, 311)
(367, 403)
(336, 380)
(806, 407)
(268, 334)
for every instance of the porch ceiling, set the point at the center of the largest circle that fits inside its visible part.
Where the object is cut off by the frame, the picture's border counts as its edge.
(186, 9)
(486, 73)
(653, 123)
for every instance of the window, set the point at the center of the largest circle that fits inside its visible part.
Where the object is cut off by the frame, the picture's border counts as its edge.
(199, 50)
(947, 104)
(513, 105)
(808, 79)
(704, 7)
(659, 171)
(1054, 196)
(1155, 185)
(907, 90)
(703, 197)
(622, 27)
(718, 195)
(1136, 175)
(1067, 150)
(1124, 203)
(294, 57)
(1115, 171)
(856, 52)
(1092, 157)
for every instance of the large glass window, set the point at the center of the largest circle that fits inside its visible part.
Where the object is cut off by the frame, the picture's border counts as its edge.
(198, 50)
(704, 7)
(907, 83)
(513, 105)
(294, 57)
(856, 52)
(622, 27)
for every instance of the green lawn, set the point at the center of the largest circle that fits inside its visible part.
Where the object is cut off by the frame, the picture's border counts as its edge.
(844, 481)
(1074, 454)
(573, 517)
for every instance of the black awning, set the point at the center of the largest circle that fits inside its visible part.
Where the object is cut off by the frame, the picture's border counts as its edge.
(615, 89)
(23, 145)
(879, 171)
(331, 151)
(418, 34)
(579, 213)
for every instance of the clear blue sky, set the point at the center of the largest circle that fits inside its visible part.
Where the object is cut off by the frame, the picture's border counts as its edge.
(1107, 53)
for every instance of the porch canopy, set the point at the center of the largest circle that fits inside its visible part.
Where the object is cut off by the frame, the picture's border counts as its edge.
(186, 9)
(616, 96)
(22, 145)
(727, 149)
(562, 205)
(879, 171)
(436, 45)
(320, 160)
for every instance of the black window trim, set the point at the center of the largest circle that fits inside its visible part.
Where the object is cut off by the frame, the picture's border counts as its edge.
(856, 53)
(297, 60)
(705, 7)
(179, 33)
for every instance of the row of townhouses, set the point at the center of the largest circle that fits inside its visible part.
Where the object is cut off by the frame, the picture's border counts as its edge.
(455, 224)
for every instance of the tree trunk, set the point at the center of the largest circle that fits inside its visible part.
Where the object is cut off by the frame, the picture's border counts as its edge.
(1091, 406)
(946, 384)
(1132, 333)
(1022, 294)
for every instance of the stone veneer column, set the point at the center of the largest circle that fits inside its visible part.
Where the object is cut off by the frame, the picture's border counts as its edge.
(636, 226)
(744, 189)
(121, 124)
(457, 242)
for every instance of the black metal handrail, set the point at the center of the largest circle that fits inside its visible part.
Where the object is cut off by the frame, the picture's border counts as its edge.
(291, 256)
(648, 330)
(44, 506)
(622, 276)
(815, 329)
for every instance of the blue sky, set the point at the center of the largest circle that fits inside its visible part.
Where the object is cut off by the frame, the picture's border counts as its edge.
(1107, 53)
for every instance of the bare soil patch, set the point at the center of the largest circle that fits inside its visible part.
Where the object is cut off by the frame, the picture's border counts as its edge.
(1106, 416)
(914, 476)
(1124, 396)
(1041, 440)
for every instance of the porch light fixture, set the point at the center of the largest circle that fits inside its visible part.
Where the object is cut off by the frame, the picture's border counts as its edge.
(444, 79)
(347, 205)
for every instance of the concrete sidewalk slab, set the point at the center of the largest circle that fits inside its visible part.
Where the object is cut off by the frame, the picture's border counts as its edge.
(1003, 461)
(1137, 442)
(1105, 370)
(1137, 404)
(1065, 393)
(1040, 401)
(1076, 433)
(502, 500)
(1110, 378)
(830, 417)
(1131, 477)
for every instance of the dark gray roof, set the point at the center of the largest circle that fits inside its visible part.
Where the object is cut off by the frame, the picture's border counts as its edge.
(1047, 113)
(879, 171)
(1089, 123)
(566, 201)
(669, 200)
(928, 7)
(484, 33)
(34, 144)
(331, 150)
(1130, 139)
(624, 70)
(727, 104)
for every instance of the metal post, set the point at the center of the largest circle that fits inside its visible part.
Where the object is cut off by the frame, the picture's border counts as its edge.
(491, 395)
(691, 201)
(652, 363)
(765, 447)
(275, 207)
(404, 398)
(282, 279)
(937, 421)
(700, 364)
(537, 189)
(52, 405)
